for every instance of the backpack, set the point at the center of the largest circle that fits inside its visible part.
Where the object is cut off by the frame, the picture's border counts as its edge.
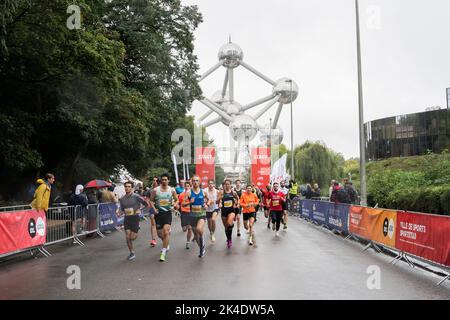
(352, 195)
(342, 196)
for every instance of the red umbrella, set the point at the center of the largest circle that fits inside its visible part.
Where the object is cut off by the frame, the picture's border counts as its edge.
(97, 184)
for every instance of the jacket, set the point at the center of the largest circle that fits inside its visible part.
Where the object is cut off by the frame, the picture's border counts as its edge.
(41, 197)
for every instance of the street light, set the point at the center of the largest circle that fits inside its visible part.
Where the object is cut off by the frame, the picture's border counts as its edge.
(362, 150)
(292, 134)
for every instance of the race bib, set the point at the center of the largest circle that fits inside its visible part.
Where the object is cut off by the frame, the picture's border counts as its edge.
(129, 211)
(276, 203)
(196, 209)
(228, 203)
(164, 202)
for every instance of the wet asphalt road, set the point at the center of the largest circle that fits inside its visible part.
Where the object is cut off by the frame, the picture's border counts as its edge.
(306, 262)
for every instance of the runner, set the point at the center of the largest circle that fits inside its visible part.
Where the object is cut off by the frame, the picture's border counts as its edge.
(228, 202)
(199, 202)
(212, 210)
(265, 197)
(153, 232)
(249, 201)
(162, 200)
(276, 197)
(285, 191)
(185, 210)
(238, 209)
(130, 206)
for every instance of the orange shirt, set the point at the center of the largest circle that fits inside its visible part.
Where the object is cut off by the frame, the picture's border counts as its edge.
(247, 199)
(181, 202)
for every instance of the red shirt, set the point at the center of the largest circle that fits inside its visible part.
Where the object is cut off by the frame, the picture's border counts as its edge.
(276, 198)
(265, 196)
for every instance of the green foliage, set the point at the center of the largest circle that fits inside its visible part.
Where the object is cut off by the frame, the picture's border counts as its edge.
(110, 93)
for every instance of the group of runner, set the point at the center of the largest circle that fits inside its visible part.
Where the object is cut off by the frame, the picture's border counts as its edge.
(197, 207)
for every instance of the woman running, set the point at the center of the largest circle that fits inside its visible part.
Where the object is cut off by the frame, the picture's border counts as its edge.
(228, 202)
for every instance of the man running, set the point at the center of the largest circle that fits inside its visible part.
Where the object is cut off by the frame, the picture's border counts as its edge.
(249, 201)
(130, 206)
(212, 210)
(238, 209)
(199, 202)
(162, 200)
(185, 210)
(265, 197)
(228, 202)
(276, 197)
(285, 190)
(153, 232)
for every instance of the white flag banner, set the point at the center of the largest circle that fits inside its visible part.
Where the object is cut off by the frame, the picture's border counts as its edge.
(279, 170)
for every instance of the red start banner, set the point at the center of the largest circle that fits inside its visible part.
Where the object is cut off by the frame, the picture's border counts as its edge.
(205, 164)
(21, 229)
(424, 235)
(260, 167)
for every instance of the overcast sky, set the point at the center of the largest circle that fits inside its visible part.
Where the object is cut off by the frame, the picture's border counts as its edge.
(405, 57)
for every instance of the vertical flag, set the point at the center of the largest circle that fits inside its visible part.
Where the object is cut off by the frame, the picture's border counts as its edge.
(205, 164)
(260, 166)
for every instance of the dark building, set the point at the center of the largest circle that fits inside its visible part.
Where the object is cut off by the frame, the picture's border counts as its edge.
(408, 135)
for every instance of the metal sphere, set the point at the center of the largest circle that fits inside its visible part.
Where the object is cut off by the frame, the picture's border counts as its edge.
(233, 108)
(283, 88)
(217, 97)
(230, 54)
(243, 128)
(277, 135)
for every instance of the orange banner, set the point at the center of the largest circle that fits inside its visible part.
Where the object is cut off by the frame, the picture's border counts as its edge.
(377, 225)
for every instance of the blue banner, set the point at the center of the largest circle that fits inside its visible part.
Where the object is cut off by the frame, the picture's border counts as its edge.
(319, 212)
(306, 208)
(338, 217)
(107, 214)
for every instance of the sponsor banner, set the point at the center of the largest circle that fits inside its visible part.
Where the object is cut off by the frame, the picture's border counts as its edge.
(337, 218)
(22, 229)
(108, 216)
(319, 212)
(260, 167)
(423, 235)
(306, 208)
(373, 224)
(205, 164)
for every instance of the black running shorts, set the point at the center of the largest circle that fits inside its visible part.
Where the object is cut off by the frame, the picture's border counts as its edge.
(163, 218)
(131, 223)
(184, 219)
(247, 216)
(193, 221)
(210, 214)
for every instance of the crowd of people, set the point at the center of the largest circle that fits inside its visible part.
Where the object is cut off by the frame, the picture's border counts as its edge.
(236, 204)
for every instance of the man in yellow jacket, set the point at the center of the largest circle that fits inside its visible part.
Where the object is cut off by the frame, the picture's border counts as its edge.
(42, 194)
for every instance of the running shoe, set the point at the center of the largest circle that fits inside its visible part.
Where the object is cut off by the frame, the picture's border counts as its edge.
(277, 234)
(229, 244)
(250, 241)
(274, 227)
(285, 226)
(187, 245)
(131, 256)
(268, 226)
(213, 238)
(153, 242)
(162, 257)
(238, 234)
(202, 252)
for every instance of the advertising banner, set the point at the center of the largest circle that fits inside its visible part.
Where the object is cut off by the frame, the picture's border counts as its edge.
(22, 229)
(373, 224)
(306, 208)
(424, 235)
(338, 217)
(319, 212)
(205, 164)
(260, 167)
(108, 217)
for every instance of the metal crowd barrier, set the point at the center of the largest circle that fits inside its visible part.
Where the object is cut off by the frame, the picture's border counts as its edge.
(15, 208)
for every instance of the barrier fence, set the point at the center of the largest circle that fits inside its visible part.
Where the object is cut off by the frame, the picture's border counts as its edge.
(419, 235)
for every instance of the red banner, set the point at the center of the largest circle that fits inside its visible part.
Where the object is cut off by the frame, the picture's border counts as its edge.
(205, 164)
(260, 167)
(21, 229)
(424, 235)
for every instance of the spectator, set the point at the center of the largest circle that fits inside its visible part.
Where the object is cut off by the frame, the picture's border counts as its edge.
(307, 193)
(80, 201)
(92, 197)
(293, 189)
(351, 192)
(155, 182)
(334, 190)
(315, 192)
(331, 189)
(107, 195)
(41, 197)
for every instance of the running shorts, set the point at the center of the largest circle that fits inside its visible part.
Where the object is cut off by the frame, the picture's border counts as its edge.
(163, 218)
(131, 223)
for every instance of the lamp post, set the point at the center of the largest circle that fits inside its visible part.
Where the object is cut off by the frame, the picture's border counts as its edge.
(292, 133)
(362, 151)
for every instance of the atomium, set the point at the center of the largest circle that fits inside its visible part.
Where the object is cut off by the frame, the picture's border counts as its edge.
(244, 127)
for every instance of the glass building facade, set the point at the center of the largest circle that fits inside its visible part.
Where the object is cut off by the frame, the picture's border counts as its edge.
(408, 135)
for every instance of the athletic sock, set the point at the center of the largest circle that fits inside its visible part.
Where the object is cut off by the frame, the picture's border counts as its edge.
(164, 250)
(200, 242)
